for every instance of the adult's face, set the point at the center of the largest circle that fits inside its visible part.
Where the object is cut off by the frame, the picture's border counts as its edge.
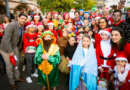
(97, 20)
(116, 36)
(105, 13)
(102, 23)
(48, 16)
(22, 20)
(117, 17)
(86, 15)
(93, 22)
(6, 19)
(76, 15)
(45, 22)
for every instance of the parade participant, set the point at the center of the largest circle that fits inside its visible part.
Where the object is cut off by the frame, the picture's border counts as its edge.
(66, 17)
(80, 35)
(86, 28)
(76, 14)
(62, 43)
(72, 13)
(45, 23)
(10, 45)
(79, 24)
(86, 22)
(39, 29)
(93, 12)
(122, 72)
(7, 20)
(103, 23)
(36, 19)
(119, 41)
(97, 18)
(104, 55)
(81, 11)
(49, 16)
(86, 16)
(29, 44)
(55, 20)
(117, 18)
(83, 74)
(47, 55)
(92, 34)
(80, 30)
(29, 18)
(106, 13)
(94, 26)
(70, 28)
(51, 28)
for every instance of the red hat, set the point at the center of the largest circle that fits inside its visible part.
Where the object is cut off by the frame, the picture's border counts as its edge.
(36, 15)
(50, 23)
(98, 16)
(29, 16)
(28, 24)
(106, 9)
(73, 9)
(121, 56)
(40, 25)
(66, 14)
(106, 31)
(45, 19)
(2, 26)
(56, 14)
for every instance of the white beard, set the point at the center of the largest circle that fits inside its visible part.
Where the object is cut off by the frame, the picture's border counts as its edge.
(101, 88)
(72, 15)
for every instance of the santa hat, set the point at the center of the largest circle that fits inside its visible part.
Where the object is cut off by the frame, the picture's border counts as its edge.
(50, 23)
(2, 26)
(86, 13)
(40, 25)
(106, 31)
(121, 56)
(28, 24)
(29, 16)
(36, 15)
(45, 19)
(56, 14)
(81, 10)
(73, 9)
(66, 14)
(98, 17)
(106, 9)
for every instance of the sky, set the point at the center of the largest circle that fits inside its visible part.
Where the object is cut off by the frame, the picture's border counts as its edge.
(111, 2)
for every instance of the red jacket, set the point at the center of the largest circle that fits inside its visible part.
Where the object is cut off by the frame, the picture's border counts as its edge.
(100, 61)
(29, 42)
(97, 38)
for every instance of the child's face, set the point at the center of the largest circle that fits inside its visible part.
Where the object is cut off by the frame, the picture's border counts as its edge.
(122, 63)
(69, 20)
(69, 25)
(47, 37)
(86, 29)
(59, 16)
(104, 36)
(81, 29)
(80, 36)
(97, 21)
(50, 27)
(75, 23)
(66, 16)
(86, 22)
(45, 22)
(85, 42)
(29, 19)
(90, 33)
(72, 41)
(64, 33)
(40, 29)
(78, 26)
(37, 19)
(31, 29)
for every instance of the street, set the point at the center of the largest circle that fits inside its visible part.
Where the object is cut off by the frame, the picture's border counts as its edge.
(4, 83)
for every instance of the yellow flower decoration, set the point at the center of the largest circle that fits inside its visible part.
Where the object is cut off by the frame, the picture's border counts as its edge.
(72, 35)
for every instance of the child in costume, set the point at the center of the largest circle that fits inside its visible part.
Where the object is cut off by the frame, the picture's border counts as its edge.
(122, 72)
(80, 30)
(92, 34)
(105, 54)
(83, 74)
(39, 29)
(29, 42)
(47, 57)
(79, 37)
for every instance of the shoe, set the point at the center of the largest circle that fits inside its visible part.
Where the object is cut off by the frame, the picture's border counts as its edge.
(34, 75)
(20, 80)
(23, 68)
(28, 79)
(13, 87)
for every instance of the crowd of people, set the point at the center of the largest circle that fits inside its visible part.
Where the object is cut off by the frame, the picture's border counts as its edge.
(92, 49)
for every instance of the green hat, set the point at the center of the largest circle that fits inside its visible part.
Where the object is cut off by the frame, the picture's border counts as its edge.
(94, 8)
(47, 33)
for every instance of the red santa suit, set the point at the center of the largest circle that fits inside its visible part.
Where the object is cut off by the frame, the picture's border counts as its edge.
(124, 75)
(104, 53)
(97, 38)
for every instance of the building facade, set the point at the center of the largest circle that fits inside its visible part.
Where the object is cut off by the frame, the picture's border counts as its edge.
(100, 4)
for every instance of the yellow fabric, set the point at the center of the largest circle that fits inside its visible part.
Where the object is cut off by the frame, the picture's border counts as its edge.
(45, 66)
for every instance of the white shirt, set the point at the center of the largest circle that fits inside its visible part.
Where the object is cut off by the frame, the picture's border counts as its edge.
(86, 53)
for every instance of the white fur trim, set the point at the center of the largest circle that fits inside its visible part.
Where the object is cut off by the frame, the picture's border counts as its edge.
(50, 23)
(114, 54)
(105, 33)
(97, 18)
(29, 26)
(40, 26)
(29, 17)
(121, 58)
(36, 16)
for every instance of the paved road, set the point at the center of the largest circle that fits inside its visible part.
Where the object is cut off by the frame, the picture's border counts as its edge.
(4, 84)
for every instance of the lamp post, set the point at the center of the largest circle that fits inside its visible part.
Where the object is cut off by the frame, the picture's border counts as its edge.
(7, 8)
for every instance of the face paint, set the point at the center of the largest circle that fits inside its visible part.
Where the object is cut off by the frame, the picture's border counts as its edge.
(116, 17)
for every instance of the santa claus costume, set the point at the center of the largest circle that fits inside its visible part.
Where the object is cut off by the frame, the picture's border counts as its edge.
(104, 53)
(72, 13)
(122, 81)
